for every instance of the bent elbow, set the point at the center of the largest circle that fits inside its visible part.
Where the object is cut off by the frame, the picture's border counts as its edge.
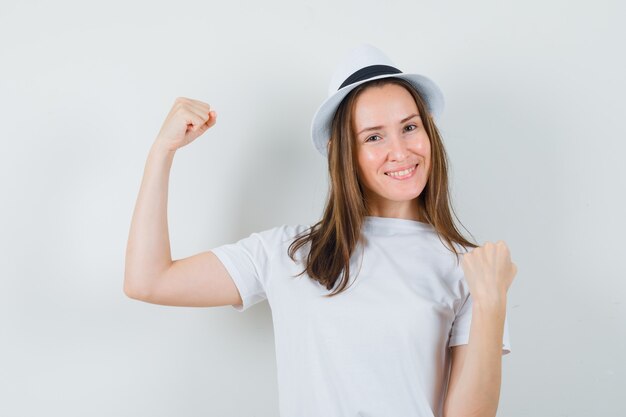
(134, 291)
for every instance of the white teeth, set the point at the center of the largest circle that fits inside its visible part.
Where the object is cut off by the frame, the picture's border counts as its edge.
(400, 173)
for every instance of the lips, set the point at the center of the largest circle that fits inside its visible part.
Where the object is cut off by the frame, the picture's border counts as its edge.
(395, 171)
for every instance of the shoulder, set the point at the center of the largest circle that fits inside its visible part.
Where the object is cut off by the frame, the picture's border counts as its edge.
(280, 236)
(462, 249)
(283, 232)
(274, 243)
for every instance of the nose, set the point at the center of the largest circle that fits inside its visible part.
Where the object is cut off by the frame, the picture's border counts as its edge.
(397, 148)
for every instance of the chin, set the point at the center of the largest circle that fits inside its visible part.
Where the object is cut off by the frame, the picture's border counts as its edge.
(405, 196)
(399, 196)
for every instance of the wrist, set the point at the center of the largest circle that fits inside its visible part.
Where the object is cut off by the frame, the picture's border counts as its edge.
(490, 300)
(160, 149)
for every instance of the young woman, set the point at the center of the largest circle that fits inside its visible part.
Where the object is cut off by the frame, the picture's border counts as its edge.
(373, 312)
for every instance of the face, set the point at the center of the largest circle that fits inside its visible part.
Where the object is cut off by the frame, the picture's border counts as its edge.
(393, 150)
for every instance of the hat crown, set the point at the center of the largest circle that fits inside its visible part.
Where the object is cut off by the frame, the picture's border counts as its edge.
(361, 65)
(360, 57)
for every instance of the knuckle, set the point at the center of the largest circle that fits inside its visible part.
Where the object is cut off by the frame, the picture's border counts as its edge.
(181, 102)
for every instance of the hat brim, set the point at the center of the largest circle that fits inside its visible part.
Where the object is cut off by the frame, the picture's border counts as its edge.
(321, 124)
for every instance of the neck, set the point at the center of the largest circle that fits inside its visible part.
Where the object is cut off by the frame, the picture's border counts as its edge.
(409, 210)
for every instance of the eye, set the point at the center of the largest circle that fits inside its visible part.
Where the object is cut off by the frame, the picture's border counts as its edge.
(413, 126)
(373, 136)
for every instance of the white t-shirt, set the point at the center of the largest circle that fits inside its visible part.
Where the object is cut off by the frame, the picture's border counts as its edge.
(378, 349)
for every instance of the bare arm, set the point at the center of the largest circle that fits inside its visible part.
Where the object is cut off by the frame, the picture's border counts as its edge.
(474, 387)
(150, 273)
(148, 251)
(475, 379)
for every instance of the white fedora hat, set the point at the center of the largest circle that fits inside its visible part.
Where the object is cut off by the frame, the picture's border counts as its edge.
(366, 63)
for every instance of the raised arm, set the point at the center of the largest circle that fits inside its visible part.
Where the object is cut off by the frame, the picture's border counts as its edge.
(150, 273)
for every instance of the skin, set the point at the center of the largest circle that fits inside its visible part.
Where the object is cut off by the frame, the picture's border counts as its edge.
(394, 145)
(152, 276)
(474, 386)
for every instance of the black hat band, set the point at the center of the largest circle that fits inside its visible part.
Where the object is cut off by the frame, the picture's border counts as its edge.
(369, 72)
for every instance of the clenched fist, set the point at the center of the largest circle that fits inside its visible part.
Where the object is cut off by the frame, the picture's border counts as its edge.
(187, 120)
(489, 271)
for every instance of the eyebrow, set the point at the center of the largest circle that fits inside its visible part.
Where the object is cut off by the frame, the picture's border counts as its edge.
(380, 127)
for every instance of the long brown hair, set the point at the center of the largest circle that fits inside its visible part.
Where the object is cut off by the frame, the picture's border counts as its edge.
(334, 238)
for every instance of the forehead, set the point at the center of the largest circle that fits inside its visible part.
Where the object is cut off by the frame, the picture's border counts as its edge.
(383, 104)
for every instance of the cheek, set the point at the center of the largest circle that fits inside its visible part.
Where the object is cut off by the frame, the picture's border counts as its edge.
(429, 162)
(368, 161)
(423, 148)
(424, 144)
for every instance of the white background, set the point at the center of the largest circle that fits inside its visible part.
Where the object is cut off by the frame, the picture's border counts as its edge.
(533, 126)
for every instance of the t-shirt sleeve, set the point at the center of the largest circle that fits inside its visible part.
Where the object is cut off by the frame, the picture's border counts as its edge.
(460, 332)
(248, 261)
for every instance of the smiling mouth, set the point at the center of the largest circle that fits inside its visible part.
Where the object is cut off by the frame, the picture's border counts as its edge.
(402, 174)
